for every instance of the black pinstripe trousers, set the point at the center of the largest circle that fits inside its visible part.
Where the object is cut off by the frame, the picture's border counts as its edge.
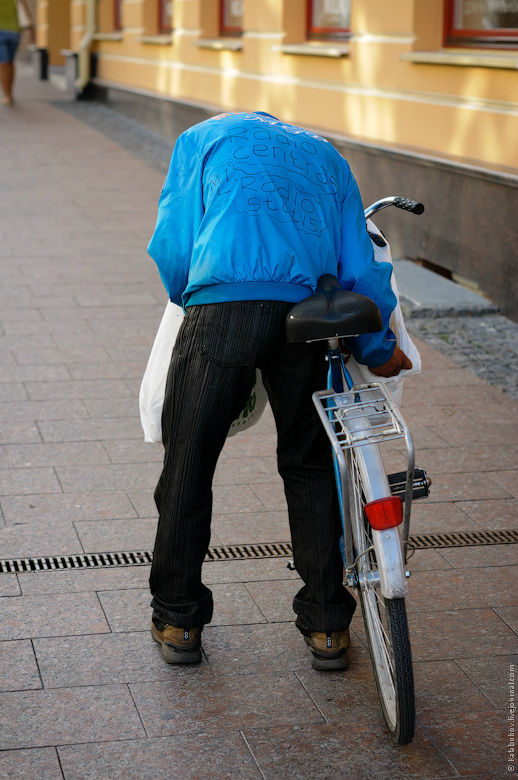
(209, 380)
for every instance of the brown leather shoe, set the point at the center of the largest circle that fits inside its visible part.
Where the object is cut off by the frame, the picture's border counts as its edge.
(179, 645)
(330, 650)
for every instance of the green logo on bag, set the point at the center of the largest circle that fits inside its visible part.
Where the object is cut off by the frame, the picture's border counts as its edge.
(250, 405)
(253, 408)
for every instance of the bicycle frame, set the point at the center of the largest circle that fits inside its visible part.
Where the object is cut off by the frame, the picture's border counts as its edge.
(337, 374)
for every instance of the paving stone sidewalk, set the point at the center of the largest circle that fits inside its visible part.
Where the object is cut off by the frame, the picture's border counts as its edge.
(85, 693)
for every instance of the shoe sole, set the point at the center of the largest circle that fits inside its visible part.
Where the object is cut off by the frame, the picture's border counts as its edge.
(326, 663)
(321, 664)
(176, 655)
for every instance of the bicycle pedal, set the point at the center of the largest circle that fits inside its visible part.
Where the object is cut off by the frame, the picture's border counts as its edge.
(421, 485)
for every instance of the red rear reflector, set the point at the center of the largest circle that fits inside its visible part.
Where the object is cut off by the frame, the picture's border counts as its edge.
(385, 512)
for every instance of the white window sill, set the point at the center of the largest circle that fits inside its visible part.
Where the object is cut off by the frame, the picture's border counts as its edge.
(478, 59)
(315, 49)
(157, 40)
(220, 44)
(114, 36)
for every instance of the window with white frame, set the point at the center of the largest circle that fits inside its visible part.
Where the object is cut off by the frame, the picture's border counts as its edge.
(481, 23)
(328, 18)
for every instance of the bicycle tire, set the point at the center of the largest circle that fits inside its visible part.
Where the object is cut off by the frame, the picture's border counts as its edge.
(385, 620)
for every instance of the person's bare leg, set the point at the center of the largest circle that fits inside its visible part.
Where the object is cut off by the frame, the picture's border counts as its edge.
(7, 81)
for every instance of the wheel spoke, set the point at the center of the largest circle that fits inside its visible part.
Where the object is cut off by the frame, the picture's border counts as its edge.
(383, 637)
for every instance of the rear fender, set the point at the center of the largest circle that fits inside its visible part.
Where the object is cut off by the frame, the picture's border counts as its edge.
(391, 566)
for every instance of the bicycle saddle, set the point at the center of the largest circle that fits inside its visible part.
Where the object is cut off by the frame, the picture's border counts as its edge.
(332, 312)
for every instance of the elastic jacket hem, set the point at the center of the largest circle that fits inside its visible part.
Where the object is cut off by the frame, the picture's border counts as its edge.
(249, 291)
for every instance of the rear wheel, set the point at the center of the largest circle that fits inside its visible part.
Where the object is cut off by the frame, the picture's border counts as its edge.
(385, 620)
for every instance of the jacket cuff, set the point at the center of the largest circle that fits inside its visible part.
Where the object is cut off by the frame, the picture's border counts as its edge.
(373, 349)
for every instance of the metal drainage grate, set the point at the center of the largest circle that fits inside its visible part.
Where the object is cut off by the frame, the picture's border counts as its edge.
(464, 539)
(237, 552)
(138, 558)
(85, 561)
(244, 551)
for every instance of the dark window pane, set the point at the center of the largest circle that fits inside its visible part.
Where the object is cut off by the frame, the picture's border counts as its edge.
(232, 15)
(117, 20)
(485, 15)
(166, 15)
(330, 15)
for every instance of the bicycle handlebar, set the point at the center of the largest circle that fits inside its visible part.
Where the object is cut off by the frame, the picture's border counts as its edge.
(408, 205)
(394, 200)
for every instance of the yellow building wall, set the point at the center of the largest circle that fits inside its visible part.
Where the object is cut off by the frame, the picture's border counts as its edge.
(77, 22)
(374, 93)
(58, 12)
(53, 28)
(42, 27)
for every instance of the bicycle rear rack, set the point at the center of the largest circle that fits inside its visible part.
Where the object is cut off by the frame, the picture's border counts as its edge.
(365, 415)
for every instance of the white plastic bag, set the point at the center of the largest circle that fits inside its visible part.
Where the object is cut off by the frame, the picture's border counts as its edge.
(152, 389)
(23, 17)
(360, 373)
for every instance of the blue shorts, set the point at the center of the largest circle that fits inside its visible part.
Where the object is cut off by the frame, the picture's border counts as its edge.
(8, 44)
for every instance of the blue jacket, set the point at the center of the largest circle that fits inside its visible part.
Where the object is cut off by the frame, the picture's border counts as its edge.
(255, 209)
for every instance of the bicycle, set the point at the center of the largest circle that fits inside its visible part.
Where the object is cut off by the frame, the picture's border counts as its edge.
(374, 506)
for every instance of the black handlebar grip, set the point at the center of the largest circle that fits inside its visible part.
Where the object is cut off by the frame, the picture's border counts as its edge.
(408, 205)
